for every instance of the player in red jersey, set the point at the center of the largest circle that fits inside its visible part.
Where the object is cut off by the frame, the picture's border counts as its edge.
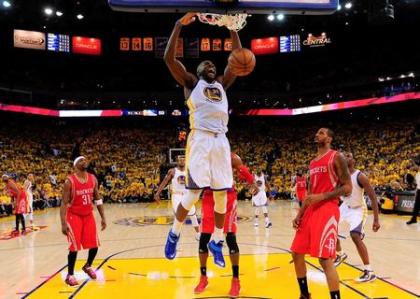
(316, 223)
(20, 201)
(77, 220)
(230, 227)
(300, 184)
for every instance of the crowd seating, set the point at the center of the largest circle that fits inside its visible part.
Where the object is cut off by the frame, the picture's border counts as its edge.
(127, 159)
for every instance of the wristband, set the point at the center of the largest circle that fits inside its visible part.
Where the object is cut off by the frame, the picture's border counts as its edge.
(99, 202)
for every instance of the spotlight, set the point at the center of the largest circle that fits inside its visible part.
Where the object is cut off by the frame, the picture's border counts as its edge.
(270, 18)
(80, 16)
(6, 4)
(48, 11)
(280, 17)
(58, 13)
(339, 7)
(348, 5)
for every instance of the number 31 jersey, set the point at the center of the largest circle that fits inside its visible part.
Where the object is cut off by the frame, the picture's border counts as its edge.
(81, 197)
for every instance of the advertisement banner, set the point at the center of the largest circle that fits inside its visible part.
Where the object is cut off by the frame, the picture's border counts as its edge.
(136, 44)
(160, 47)
(192, 47)
(86, 45)
(264, 46)
(124, 44)
(317, 41)
(29, 39)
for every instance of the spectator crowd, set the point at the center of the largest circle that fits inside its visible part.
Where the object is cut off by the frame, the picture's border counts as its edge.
(128, 159)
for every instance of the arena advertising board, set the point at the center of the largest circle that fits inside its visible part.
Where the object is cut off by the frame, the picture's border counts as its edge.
(86, 45)
(34, 40)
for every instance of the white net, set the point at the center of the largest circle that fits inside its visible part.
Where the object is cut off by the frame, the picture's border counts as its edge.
(233, 22)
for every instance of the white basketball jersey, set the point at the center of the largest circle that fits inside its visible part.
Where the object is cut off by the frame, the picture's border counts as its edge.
(356, 198)
(208, 107)
(178, 182)
(260, 181)
(29, 188)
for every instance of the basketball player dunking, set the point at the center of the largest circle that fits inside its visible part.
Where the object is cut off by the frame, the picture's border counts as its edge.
(316, 223)
(259, 200)
(354, 211)
(208, 157)
(230, 227)
(177, 178)
(77, 220)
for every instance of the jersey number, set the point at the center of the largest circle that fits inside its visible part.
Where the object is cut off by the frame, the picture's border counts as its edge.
(86, 199)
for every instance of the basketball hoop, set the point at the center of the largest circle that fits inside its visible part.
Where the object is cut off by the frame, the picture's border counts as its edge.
(233, 22)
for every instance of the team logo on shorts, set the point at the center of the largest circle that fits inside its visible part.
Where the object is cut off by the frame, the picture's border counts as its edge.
(213, 94)
(181, 180)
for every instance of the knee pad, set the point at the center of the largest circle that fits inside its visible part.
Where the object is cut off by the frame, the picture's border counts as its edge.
(220, 201)
(264, 209)
(190, 198)
(231, 243)
(204, 241)
(194, 220)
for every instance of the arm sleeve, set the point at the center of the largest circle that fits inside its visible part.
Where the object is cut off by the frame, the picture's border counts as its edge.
(245, 175)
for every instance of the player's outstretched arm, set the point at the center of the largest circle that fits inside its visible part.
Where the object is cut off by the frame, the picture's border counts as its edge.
(364, 181)
(164, 183)
(228, 77)
(175, 66)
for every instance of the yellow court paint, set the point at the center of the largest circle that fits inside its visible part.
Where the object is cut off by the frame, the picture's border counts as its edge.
(262, 276)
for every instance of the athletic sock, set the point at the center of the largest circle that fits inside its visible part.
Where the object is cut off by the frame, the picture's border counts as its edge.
(368, 267)
(71, 258)
(91, 256)
(235, 271)
(303, 285)
(203, 271)
(176, 227)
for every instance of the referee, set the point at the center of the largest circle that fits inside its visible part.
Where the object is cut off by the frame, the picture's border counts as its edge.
(417, 203)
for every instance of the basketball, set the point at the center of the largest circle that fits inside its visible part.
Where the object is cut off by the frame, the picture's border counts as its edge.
(241, 62)
(236, 160)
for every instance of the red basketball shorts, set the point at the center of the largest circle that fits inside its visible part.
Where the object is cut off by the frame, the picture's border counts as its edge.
(301, 194)
(317, 233)
(207, 213)
(82, 231)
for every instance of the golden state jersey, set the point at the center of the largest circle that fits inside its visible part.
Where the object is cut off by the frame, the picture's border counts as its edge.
(178, 182)
(208, 107)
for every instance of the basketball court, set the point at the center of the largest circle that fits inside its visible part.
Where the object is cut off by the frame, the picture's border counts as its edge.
(131, 262)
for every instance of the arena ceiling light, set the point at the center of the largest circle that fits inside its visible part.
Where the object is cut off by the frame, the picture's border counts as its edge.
(411, 75)
(339, 7)
(80, 16)
(48, 11)
(270, 18)
(280, 17)
(348, 5)
(58, 13)
(7, 4)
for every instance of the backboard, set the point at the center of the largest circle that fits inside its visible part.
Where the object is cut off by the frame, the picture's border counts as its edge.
(226, 6)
